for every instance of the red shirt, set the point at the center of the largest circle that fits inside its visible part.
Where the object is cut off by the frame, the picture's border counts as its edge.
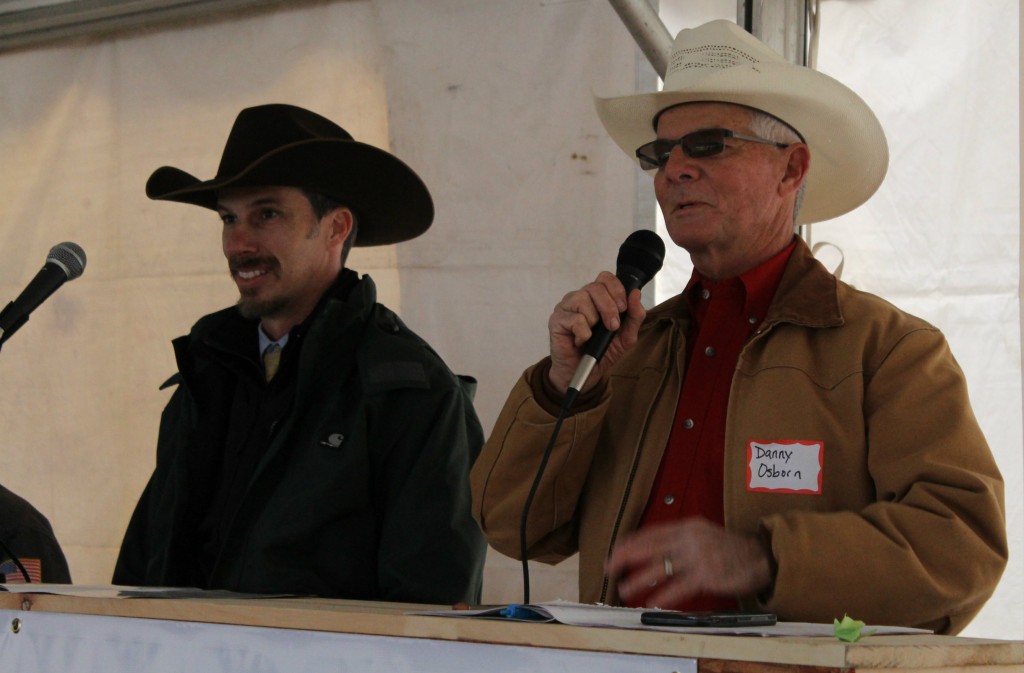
(690, 480)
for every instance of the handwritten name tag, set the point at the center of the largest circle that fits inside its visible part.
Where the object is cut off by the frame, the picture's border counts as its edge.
(785, 466)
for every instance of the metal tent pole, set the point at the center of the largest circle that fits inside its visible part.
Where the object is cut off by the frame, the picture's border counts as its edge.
(647, 28)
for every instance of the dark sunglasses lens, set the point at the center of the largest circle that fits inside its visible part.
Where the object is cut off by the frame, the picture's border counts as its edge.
(703, 143)
(696, 145)
(648, 157)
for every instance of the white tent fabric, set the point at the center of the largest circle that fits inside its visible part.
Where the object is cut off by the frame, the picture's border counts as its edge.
(491, 103)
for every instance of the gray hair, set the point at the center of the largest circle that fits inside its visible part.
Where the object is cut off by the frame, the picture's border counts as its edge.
(772, 128)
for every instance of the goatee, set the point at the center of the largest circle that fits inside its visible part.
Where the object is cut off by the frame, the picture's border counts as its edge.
(250, 307)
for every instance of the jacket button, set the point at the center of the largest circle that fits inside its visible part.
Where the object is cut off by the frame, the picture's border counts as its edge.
(709, 351)
(688, 423)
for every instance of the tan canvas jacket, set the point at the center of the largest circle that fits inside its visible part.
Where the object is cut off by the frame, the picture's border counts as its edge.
(908, 527)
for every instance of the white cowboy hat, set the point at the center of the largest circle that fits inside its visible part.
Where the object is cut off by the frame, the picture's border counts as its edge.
(721, 62)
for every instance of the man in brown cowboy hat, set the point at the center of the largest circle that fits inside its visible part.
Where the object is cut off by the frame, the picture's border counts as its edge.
(337, 463)
(771, 438)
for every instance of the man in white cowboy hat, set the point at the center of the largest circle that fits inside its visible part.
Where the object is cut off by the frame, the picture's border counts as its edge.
(337, 463)
(771, 438)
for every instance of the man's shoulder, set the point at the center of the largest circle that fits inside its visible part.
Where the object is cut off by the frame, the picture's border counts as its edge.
(391, 355)
(20, 514)
(217, 319)
(861, 306)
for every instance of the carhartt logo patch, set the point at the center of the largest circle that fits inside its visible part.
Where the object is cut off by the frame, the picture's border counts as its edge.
(334, 441)
(782, 466)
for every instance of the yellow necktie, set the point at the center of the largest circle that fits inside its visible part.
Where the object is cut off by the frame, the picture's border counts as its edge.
(271, 360)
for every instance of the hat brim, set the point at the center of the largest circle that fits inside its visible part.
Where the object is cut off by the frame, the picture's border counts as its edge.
(849, 152)
(390, 200)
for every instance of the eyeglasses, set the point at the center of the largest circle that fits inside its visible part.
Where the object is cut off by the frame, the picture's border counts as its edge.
(696, 145)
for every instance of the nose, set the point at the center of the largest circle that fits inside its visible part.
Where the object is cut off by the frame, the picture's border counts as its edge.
(237, 239)
(679, 166)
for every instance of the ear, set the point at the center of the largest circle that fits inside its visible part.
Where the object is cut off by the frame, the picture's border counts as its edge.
(798, 162)
(339, 223)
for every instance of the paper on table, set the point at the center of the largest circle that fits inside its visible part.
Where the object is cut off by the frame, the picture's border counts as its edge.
(582, 614)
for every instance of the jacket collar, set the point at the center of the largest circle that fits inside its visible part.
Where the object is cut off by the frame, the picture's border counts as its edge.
(227, 336)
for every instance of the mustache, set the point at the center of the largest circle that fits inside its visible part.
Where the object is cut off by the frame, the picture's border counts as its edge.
(251, 262)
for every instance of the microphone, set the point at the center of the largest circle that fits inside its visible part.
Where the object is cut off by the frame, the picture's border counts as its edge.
(640, 257)
(65, 261)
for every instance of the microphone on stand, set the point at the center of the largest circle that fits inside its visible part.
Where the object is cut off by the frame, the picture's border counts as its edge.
(65, 261)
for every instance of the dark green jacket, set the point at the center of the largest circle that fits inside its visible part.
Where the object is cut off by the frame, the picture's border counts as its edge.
(363, 490)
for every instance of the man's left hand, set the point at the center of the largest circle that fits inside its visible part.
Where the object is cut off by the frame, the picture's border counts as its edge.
(675, 561)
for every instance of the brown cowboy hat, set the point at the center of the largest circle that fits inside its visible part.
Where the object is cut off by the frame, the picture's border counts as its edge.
(289, 146)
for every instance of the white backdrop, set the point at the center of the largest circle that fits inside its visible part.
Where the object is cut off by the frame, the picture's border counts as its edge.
(491, 103)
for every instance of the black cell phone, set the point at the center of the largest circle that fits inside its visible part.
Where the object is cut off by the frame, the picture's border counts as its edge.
(719, 618)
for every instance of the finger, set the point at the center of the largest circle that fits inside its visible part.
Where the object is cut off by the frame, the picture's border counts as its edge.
(672, 592)
(635, 315)
(642, 579)
(629, 554)
(569, 327)
(645, 544)
(609, 298)
(578, 304)
(628, 334)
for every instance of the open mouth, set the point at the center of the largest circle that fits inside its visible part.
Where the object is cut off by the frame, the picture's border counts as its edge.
(249, 275)
(251, 269)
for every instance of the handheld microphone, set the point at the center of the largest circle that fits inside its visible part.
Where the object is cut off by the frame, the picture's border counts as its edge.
(65, 261)
(640, 257)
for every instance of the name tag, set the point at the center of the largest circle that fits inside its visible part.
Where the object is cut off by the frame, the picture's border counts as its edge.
(785, 466)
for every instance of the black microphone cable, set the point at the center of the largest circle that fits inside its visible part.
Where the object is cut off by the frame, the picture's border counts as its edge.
(570, 397)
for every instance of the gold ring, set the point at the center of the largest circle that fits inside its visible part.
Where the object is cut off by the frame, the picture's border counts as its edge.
(668, 566)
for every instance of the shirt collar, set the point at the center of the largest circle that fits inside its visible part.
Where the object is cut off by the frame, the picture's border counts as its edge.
(759, 283)
(266, 341)
(340, 289)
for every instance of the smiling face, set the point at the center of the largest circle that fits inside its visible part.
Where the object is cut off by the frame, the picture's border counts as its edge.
(733, 210)
(280, 255)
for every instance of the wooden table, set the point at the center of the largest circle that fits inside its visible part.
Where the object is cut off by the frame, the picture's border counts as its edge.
(97, 634)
